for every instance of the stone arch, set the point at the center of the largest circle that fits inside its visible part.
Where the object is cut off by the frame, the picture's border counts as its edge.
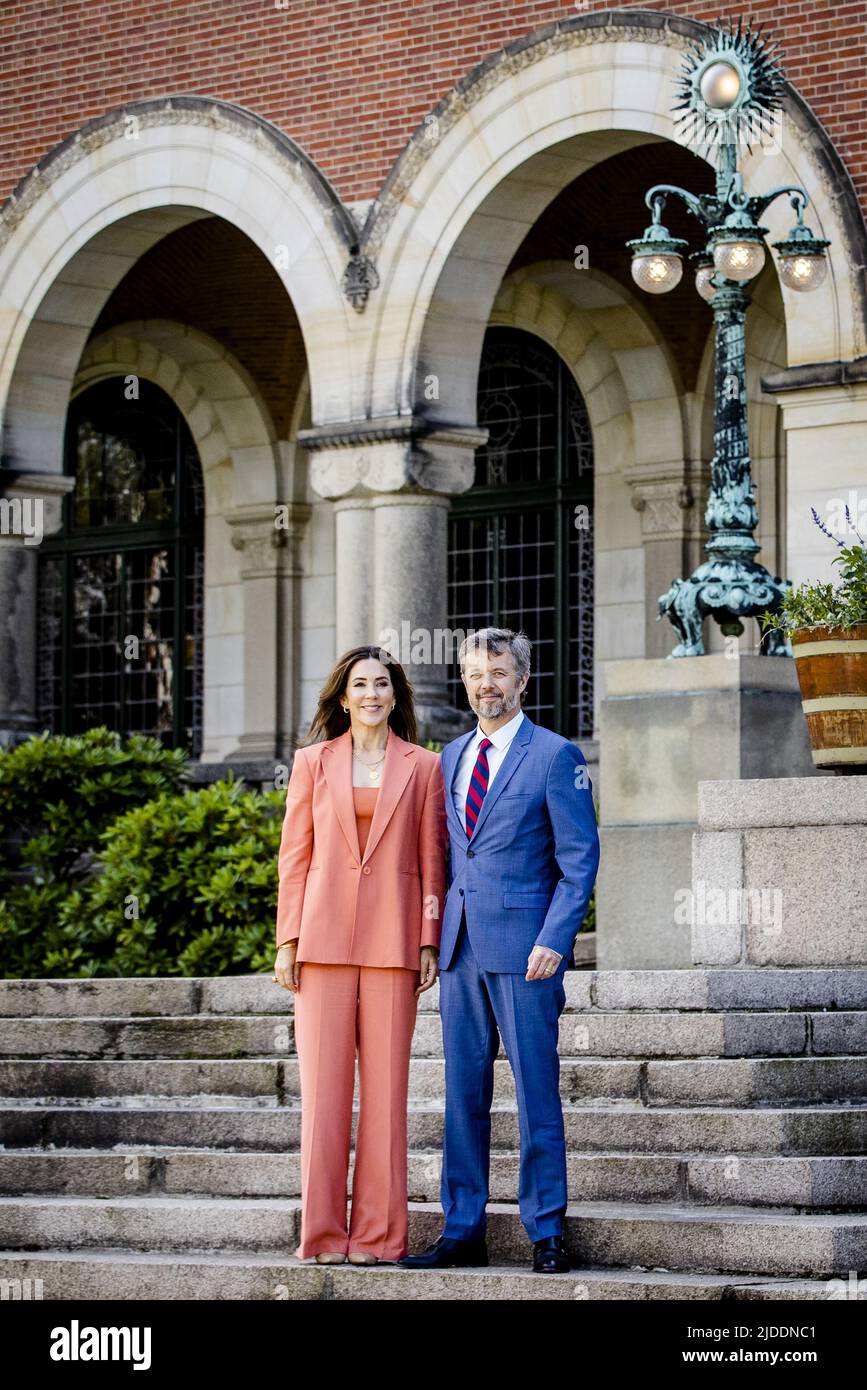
(94, 204)
(213, 391)
(485, 163)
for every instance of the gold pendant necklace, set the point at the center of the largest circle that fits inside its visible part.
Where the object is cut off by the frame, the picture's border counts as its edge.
(372, 768)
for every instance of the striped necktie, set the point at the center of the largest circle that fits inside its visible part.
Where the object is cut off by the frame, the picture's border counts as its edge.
(478, 787)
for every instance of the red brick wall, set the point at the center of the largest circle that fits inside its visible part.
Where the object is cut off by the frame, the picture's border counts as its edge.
(348, 79)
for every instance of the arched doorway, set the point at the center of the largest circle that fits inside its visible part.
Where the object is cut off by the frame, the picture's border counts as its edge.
(121, 584)
(521, 539)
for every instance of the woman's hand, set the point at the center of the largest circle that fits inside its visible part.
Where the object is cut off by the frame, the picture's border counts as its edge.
(287, 970)
(429, 969)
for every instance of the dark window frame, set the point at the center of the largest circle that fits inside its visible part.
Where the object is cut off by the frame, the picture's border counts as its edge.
(181, 537)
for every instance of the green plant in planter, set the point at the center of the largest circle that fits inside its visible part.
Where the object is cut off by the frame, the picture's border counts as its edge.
(827, 605)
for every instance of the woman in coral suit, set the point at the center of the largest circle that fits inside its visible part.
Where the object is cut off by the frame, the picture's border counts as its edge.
(361, 884)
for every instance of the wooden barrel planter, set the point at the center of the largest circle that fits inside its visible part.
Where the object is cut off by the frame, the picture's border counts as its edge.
(832, 672)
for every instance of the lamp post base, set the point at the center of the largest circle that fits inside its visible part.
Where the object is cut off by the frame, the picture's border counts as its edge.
(726, 588)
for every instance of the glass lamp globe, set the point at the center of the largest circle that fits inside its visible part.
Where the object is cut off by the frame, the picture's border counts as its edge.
(803, 272)
(703, 281)
(739, 260)
(720, 86)
(657, 273)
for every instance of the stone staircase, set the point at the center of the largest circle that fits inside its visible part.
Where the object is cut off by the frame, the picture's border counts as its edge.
(716, 1122)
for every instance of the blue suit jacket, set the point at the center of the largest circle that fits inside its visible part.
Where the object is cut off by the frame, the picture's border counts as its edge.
(526, 876)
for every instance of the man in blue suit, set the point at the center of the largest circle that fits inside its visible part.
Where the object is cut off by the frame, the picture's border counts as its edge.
(524, 851)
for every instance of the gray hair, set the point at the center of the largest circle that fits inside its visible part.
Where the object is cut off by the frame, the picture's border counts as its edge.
(494, 640)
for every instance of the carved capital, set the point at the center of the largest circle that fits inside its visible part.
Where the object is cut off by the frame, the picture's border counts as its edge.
(669, 503)
(268, 537)
(366, 458)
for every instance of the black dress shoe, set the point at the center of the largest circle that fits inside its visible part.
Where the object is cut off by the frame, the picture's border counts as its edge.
(549, 1256)
(448, 1253)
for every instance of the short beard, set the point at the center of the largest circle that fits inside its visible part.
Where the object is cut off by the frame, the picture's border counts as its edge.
(503, 706)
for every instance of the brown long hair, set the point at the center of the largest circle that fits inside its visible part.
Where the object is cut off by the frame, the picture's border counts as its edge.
(331, 719)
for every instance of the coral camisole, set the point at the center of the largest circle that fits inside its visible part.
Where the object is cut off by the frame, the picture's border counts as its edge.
(365, 805)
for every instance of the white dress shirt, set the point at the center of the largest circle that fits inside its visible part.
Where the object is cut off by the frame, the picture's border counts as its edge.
(500, 741)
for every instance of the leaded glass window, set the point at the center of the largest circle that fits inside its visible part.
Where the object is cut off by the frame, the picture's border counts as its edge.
(521, 540)
(121, 586)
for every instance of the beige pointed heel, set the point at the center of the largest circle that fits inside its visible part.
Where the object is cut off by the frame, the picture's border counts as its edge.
(331, 1257)
(362, 1257)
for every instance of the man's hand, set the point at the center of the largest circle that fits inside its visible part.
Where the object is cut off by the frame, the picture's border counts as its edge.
(429, 969)
(542, 963)
(287, 970)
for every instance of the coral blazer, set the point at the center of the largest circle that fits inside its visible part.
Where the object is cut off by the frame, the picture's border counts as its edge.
(375, 909)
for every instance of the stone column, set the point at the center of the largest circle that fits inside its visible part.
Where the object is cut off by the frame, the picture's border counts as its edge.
(409, 592)
(269, 567)
(391, 481)
(30, 508)
(354, 544)
(671, 504)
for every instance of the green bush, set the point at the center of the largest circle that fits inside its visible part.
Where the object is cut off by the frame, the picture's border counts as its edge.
(57, 795)
(589, 923)
(187, 886)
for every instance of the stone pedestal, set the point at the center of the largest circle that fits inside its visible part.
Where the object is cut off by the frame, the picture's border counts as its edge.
(779, 873)
(666, 725)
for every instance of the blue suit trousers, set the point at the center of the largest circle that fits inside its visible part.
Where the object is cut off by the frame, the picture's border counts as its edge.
(478, 1007)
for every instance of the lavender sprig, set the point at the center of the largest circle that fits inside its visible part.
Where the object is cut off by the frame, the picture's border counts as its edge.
(851, 525)
(822, 527)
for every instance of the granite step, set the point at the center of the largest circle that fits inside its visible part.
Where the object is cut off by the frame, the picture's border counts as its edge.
(636, 1034)
(796, 1182)
(664, 1235)
(628, 1126)
(764, 989)
(716, 1141)
(142, 1275)
(795, 1081)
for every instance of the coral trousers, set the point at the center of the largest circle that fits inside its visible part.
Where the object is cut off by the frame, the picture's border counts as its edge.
(341, 1010)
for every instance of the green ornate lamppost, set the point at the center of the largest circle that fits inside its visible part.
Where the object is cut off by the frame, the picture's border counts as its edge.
(730, 86)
